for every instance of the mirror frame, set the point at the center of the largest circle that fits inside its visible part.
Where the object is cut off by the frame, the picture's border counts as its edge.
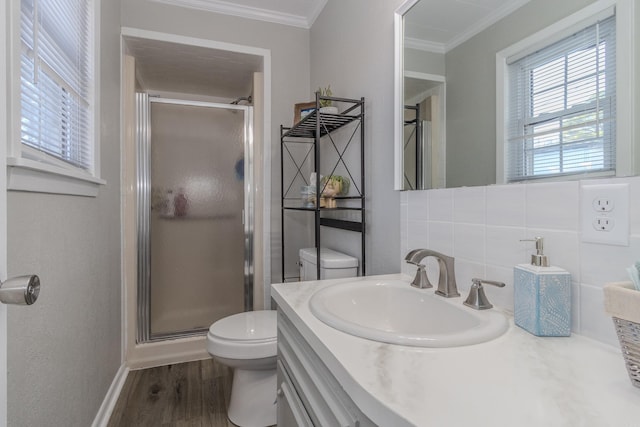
(398, 98)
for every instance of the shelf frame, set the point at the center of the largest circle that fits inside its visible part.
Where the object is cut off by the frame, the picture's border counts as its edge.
(310, 130)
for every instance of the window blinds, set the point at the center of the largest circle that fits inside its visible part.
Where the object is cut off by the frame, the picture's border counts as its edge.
(55, 71)
(562, 107)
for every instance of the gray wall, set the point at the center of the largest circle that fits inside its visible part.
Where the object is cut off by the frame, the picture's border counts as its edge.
(289, 48)
(64, 351)
(424, 62)
(352, 50)
(471, 89)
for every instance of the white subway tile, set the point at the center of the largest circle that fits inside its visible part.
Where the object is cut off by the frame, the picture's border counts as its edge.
(417, 205)
(417, 236)
(440, 237)
(404, 197)
(634, 205)
(553, 205)
(601, 264)
(440, 205)
(594, 322)
(468, 242)
(503, 246)
(469, 205)
(505, 205)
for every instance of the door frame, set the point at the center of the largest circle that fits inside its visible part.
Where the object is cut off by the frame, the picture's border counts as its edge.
(154, 354)
(4, 124)
(143, 193)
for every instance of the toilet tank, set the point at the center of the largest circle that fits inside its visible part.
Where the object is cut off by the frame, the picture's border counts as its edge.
(333, 264)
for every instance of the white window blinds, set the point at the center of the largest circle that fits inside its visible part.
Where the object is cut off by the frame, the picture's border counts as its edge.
(562, 107)
(56, 74)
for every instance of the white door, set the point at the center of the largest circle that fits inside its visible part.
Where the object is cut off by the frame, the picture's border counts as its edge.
(3, 206)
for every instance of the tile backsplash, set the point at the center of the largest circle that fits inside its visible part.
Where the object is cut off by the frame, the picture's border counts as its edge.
(482, 228)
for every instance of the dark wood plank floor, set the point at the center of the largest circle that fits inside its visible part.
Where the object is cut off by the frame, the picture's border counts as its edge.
(194, 394)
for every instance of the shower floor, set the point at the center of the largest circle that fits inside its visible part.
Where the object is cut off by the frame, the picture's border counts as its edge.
(185, 394)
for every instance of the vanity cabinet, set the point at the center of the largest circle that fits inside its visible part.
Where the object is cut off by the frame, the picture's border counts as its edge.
(330, 144)
(308, 394)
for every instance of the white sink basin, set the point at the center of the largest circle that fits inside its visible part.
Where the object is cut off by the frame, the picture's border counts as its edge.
(392, 311)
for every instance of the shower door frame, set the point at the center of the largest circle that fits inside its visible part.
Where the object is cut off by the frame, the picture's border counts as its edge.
(143, 207)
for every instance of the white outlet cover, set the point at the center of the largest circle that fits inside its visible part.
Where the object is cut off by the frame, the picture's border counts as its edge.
(618, 194)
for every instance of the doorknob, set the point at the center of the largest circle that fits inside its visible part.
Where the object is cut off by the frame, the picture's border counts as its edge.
(20, 290)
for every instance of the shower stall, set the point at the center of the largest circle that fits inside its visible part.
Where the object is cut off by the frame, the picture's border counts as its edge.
(194, 215)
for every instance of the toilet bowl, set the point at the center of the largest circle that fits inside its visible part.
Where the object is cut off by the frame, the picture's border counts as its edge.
(247, 343)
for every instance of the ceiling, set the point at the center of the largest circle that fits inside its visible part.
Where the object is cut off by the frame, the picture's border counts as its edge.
(171, 67)
(433, 25)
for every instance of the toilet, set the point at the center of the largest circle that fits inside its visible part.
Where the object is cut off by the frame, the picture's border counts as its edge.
(333, 264)
(247, 343)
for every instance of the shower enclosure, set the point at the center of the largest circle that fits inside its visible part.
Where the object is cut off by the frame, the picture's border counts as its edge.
(195, 215)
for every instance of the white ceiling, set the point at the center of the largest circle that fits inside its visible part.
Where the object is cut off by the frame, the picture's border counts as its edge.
(434, 25)
(170, 67)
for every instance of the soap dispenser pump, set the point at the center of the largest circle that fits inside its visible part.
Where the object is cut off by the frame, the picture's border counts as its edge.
(542, 296)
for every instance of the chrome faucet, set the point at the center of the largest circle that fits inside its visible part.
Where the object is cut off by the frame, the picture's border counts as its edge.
(446, 282)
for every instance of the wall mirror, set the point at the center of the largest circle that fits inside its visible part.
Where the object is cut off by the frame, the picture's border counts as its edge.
(446, 91)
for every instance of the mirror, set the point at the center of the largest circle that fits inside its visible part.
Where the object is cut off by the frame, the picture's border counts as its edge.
(452, 143)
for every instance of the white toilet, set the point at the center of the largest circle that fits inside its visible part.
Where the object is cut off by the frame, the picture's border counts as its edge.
(333, 264)
(247, 343)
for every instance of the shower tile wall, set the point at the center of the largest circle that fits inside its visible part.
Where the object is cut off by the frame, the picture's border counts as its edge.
(481, 227)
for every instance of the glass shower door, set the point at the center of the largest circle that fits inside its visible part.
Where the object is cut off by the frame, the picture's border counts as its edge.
(197, 237)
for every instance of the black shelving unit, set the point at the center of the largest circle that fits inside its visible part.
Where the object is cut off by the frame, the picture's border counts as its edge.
(316, 130)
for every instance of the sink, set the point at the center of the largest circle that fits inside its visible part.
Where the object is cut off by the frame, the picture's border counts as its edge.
(392, 311)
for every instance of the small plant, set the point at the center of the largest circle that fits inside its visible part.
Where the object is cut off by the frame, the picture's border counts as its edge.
(339, 184)
(325, 92)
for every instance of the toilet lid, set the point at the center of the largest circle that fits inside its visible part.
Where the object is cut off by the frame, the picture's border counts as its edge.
(248, 326)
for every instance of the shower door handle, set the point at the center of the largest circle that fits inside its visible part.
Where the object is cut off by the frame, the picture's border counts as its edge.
(20, 290)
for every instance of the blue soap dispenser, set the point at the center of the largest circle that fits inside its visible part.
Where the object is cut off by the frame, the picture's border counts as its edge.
(542, 296)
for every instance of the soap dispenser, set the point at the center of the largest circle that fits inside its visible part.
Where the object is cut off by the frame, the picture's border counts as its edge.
(542, 296)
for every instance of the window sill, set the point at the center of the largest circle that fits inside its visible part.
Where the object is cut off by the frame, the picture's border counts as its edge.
(33, 176)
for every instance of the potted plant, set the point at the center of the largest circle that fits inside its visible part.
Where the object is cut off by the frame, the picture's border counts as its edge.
(335, 185)
(326, 105)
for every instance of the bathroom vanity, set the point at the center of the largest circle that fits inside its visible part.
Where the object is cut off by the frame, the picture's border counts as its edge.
(330, 378)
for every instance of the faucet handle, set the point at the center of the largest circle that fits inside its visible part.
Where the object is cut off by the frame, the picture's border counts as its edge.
(421, 281)
(477, 298)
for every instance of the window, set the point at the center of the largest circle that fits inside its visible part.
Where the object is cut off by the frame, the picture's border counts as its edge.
(56, 78)
(561, 102)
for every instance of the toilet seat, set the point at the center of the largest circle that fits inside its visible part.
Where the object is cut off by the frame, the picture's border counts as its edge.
(249, 335)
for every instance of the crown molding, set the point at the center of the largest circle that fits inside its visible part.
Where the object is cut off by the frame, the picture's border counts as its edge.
(313, 15)
(248, 12)
(485, 23)
(424, 45)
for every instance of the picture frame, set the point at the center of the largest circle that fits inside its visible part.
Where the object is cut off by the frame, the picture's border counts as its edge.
(301, 110)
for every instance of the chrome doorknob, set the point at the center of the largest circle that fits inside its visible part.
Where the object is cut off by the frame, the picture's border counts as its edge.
(20, 290)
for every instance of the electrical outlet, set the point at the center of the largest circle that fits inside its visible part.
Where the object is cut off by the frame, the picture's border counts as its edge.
(603, 204)
(605, 214)
(602, 223)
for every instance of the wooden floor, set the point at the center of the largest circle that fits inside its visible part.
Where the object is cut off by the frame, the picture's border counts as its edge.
(193, 394)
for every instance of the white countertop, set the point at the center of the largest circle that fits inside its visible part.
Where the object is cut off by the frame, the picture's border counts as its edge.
(515, 380)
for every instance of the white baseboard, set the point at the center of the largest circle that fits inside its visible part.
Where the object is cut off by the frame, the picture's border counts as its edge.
(109, 402)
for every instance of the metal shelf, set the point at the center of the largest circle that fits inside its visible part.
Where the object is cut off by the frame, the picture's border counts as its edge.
(310, 130)
(307, 127)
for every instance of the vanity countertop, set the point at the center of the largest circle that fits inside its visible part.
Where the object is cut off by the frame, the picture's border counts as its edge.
(515, 380)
